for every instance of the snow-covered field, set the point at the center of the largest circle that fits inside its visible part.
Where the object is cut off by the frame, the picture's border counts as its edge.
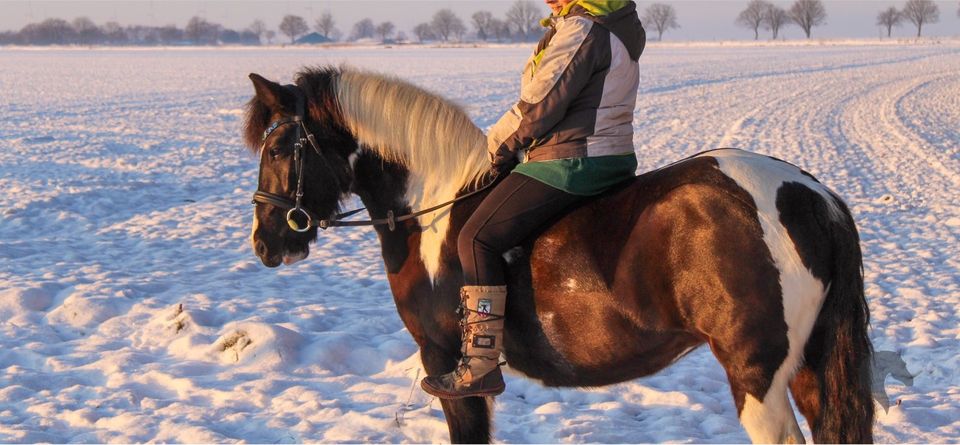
(132, 308)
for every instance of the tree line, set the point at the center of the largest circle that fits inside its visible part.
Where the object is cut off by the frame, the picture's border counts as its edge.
(519, 23)
(83, 31)
(808, 14)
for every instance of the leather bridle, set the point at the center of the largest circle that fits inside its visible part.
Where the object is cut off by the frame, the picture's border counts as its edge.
(294, 206)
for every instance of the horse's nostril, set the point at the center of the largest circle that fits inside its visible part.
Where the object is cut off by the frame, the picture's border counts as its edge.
(261, 248)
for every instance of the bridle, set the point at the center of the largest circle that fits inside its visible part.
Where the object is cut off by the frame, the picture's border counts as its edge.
(293, 207)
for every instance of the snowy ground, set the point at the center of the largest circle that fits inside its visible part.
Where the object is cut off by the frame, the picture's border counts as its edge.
(132, 308)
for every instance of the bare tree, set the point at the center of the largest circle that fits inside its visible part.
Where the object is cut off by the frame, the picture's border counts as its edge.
(114, 34)
(170, 34)
(423, 32)
(807, 14)
(87, 31)
(920, 12)
(662, 17)
(481, 21)
(385, 30)
(48, 32)
(293, 26)
(499, 29)
(200, 31)
(446, 24)
(363, 29)
(889, 18)
(258, 28)
(753, 16)
(774, 19)
(524, 16)
(325, 24)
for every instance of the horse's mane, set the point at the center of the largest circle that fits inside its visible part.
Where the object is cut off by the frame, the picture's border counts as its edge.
(403, 123)
(433, 138)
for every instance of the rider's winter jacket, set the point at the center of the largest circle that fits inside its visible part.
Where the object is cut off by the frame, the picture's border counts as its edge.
(579, 89)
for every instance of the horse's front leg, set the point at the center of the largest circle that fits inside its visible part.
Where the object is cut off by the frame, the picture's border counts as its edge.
(467, 419)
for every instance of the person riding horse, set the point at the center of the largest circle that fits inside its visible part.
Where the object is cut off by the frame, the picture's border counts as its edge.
(574, 121)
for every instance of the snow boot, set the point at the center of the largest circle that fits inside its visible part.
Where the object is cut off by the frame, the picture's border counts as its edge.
(478, 373)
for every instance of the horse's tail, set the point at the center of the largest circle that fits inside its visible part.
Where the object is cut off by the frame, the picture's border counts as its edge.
(842, 352)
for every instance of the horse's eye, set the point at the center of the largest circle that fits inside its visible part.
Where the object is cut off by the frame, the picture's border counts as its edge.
(275, 152)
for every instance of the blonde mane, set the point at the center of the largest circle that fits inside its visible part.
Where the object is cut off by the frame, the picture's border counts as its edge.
(432, 137)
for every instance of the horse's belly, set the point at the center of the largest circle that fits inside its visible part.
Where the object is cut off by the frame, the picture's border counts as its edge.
(587, 340)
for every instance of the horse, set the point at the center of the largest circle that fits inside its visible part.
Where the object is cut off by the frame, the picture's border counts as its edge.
(743, 252)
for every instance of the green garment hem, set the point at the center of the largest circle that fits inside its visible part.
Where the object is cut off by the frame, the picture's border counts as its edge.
(582, 176)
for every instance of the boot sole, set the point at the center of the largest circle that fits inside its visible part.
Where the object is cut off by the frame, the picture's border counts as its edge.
(459, 395)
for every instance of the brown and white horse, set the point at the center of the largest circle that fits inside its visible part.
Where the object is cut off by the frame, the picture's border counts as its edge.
(746, 253)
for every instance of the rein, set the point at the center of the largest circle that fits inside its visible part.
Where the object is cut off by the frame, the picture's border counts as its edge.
(391, 220)
(293, 207)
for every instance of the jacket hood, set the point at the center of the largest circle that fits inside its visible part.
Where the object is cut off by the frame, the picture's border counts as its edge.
(617, 16)
(622, 22)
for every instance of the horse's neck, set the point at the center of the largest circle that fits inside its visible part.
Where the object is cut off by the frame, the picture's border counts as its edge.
(385, 186)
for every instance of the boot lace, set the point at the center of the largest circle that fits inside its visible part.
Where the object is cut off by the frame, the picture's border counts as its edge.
(466, 327)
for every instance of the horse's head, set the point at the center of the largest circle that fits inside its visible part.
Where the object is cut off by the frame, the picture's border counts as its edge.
(304, 166)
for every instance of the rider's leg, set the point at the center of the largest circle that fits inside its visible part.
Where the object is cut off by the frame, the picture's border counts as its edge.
(517, 207)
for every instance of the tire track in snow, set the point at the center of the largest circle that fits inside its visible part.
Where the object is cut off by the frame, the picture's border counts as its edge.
(904, 237)
(942, 121)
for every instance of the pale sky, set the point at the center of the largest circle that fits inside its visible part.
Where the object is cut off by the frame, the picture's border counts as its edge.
(699, 19)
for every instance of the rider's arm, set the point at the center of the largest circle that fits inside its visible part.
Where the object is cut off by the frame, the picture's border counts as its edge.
(567, 65)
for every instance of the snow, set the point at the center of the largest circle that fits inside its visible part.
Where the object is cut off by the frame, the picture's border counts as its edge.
(132, 308)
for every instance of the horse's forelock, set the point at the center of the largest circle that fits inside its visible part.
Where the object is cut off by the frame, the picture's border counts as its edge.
(257, 118)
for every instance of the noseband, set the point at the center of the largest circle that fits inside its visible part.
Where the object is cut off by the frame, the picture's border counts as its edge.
(293, 207)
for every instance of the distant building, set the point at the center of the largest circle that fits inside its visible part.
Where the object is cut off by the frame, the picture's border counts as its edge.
(312, 39)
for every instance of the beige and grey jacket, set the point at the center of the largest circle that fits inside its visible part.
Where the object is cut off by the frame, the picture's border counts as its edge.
(578, 91)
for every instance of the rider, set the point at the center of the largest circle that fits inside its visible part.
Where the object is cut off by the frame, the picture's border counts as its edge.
(575, 122)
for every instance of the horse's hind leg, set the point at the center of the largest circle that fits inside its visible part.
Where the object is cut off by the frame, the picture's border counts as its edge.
(805, 388)
(762, 402)
(771, 419)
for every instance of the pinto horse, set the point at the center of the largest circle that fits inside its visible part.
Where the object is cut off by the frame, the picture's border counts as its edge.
(746, 253)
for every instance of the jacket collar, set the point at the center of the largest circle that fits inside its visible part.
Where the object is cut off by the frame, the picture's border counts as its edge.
(595, 8)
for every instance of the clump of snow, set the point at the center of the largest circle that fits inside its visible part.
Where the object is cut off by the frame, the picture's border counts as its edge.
(15, 301)
(257, 346)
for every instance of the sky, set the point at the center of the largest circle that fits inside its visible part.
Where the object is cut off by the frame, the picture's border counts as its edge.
(699, 19)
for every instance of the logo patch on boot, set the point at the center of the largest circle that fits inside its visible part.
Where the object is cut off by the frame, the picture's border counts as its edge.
(484, 307)
(484, 341)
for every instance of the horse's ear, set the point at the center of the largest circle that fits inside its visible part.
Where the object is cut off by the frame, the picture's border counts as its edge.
(270, 93)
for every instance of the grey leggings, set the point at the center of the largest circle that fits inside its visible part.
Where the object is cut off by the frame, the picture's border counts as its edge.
(515, 208)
